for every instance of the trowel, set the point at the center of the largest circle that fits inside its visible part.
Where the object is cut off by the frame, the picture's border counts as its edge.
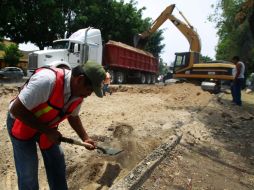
(104, 150)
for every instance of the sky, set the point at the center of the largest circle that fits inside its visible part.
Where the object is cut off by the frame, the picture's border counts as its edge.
(196, 12)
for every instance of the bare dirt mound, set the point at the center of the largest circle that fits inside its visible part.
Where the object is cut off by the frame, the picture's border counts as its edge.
(137, 119)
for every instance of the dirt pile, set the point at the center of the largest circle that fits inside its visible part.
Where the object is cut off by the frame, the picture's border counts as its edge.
(216, 146)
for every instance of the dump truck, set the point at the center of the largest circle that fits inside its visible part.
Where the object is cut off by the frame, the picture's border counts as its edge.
(124, 62)
(187, 65)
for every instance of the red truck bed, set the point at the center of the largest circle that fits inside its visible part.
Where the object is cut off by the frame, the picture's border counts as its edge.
(119, 55)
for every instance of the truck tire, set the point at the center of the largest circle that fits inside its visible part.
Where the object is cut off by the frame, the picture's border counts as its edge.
(112, 77)
(217, 89)
(148, 79)
(153, 79)
(120, 77)
(142, 78)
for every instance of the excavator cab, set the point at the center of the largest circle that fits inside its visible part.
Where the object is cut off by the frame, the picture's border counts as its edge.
(181, 60)
(185, 60)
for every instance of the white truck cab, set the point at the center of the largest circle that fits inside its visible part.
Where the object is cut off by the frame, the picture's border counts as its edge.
(83, 45)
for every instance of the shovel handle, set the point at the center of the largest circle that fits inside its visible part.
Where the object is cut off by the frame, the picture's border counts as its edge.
(73, 141)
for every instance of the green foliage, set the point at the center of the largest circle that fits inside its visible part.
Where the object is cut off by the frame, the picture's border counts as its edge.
(43, 21)
(12, 55)
(29, 20)
(163, 67)
(205, 59)
(154, 44)
(117, 21)
(2, 46)
(235, 38)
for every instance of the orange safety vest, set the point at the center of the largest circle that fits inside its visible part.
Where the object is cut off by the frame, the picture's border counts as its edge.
(50, 112)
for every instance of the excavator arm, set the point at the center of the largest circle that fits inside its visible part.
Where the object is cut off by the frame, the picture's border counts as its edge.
(187, 64)
(189, 33)
(186, 29)
(157, 23)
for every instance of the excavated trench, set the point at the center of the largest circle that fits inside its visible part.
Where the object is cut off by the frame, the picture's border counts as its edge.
(137, 119)
(103, 171)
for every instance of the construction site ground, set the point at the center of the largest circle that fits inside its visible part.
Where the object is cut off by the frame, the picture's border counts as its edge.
(216, 151)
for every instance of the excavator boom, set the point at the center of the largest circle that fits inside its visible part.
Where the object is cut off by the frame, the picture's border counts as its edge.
(141, 39)
(186, 29)
(189, 33)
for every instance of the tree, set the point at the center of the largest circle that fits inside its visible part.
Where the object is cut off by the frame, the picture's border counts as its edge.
(116, 20)
(30, 20)
(163, 67)
(234, 38)
(205, 59)
(154, 43)
(246, 12)
(2, 46)
(43, 21)
(12, 55)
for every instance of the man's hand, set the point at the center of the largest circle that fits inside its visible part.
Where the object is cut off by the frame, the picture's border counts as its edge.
(76, 124)
(91, 142)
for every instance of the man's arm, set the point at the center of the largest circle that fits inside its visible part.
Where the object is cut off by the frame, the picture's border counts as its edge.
(238, 70)
(19, 111)
(76, 124)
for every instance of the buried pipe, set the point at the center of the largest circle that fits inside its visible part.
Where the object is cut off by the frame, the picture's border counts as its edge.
(138, 175)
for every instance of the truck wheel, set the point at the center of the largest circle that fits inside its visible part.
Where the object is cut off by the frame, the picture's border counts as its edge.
(217, 89)
(120, 77)
(112, 76)
(153, 79)
(142, 78)
(148, 79)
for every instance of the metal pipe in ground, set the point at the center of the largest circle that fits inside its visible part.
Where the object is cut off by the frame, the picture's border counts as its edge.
(143, 170)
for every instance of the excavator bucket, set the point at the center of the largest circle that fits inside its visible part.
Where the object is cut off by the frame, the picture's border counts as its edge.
(139, 41)
(136, 39)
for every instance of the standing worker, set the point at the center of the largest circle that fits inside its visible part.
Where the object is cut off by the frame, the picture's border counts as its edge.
(238, 81)
(50, 96)
(106, 84)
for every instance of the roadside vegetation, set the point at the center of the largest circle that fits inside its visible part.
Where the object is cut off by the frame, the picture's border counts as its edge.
(26, 21)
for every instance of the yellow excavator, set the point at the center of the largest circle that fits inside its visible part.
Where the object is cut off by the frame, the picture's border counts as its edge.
(187, 64)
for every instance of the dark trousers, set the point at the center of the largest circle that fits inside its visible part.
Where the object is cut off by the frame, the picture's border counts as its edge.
(106, 89)
(26, 162)
(236, 88)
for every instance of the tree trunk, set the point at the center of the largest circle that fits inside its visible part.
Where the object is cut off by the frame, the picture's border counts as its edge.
(251, 22)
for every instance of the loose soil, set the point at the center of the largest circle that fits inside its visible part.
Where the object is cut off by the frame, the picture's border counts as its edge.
(216, 150)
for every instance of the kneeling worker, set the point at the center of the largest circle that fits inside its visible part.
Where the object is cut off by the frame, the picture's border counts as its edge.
(50, 96)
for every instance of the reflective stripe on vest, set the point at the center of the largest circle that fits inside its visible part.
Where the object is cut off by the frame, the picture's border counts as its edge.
(50, 112)
(43, 111)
